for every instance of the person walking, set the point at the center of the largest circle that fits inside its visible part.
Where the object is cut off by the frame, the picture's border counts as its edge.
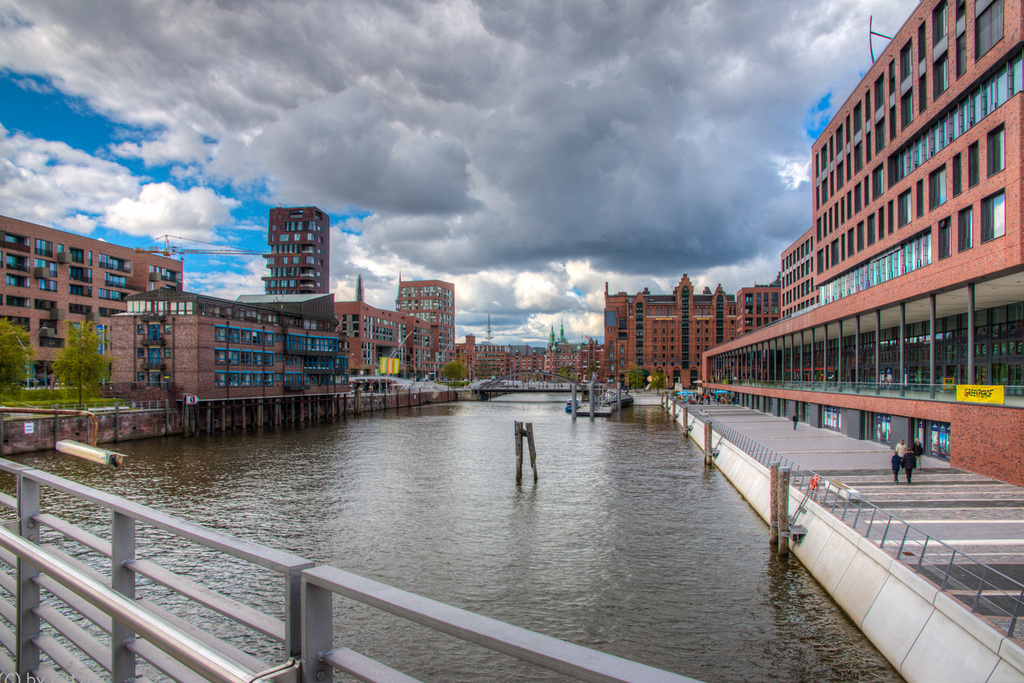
(897, 465)
(918, 452)
(794, 421)
(909, 463)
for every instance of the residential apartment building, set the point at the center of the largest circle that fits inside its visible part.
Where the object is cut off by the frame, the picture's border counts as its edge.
(757, 306)
(434, 302)
(369, 334)
(298, 259)
(259, 346)
(908, 281)
(54, 278)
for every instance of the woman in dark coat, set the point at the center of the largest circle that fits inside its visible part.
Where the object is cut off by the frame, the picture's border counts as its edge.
(897, 464)
(909, 463)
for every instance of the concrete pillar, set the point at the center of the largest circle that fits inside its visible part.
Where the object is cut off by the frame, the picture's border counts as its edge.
(931, 345)
(856, 351)
(902, 347)
(970, 334)
(878, 346)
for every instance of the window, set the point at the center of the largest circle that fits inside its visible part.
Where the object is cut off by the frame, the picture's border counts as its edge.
(920, 198)
(944, 245)
(965, 229)
(995, 153)
(940, 76)
(958, 180)
(905, 66)
(907, 109)
(876, 182)
(903, 208)
(993, 217)
(972, 165)
(937, 188)
(961, 54)
(939, 22)
(988, 29)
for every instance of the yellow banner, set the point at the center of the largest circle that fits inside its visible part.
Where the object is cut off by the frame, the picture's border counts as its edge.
(389, 366)
(980, 393)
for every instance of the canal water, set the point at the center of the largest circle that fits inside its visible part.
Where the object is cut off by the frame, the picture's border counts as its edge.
(625, 544)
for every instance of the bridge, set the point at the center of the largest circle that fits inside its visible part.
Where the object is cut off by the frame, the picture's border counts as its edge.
(520, 382)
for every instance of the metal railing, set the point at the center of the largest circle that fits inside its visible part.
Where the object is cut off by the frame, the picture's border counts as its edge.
(88, 599)
(979, 587)
(910, 390)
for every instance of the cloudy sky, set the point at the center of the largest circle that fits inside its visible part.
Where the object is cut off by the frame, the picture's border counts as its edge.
(527, 151)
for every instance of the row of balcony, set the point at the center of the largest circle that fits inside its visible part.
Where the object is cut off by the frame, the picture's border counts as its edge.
(1014, 395)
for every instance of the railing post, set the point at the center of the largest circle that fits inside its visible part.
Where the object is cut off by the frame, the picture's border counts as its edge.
(27, 654)
(317, 632)
(981, 587)
(1016, 612)
(122, 580)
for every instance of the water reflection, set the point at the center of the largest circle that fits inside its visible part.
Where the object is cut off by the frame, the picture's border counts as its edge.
(625, 543)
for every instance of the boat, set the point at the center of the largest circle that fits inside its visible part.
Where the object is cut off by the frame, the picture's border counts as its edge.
(569, 406)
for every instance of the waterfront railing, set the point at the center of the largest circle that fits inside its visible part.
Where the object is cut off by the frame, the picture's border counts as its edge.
(980, 587)
(95, 587)
(917, 391)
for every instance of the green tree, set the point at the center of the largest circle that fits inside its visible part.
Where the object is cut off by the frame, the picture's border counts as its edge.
(80, 363)
(636, 377)
(658, 380)
(15, 354)
(592, 368)
(453, 371)
(565, 372)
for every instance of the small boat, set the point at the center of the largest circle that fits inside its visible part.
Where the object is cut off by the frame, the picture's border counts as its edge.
(569, 406)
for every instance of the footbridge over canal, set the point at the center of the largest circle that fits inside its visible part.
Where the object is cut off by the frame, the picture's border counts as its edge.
(529, 382)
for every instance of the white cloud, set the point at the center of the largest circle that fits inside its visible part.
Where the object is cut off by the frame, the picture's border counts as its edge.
(162, 209)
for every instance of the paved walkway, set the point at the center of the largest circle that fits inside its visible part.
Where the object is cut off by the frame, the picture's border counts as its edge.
(976, 515)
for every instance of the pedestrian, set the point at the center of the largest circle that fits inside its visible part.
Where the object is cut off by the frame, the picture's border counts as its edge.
(909, 463)
(918, 452)
(794, 422)
(897, 465)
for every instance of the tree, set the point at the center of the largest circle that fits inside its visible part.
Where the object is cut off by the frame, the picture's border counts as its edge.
(80, 363)
(15, 354)
(592, 368)
(453, 371)
(636, 377)
(565, 372)
(658, 380)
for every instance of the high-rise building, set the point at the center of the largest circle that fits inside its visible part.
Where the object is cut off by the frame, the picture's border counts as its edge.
(434, 302)
(904, 298)
(299, 255)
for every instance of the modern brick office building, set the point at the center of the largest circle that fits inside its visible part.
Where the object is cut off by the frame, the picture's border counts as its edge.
(54, 278)
(910, 278)
(299, 256)
(433, 301)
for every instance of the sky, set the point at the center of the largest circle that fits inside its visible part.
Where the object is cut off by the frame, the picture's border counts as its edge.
(528, 152)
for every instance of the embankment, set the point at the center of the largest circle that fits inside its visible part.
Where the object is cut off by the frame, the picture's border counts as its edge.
(926, 634)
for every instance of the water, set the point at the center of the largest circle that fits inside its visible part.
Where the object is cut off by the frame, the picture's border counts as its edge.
(624, 544)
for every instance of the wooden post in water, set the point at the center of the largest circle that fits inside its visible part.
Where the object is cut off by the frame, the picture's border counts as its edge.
(525, 430)
(782, 513)
(773, 505)
(572, 403)
(708, 434)
(686, 420)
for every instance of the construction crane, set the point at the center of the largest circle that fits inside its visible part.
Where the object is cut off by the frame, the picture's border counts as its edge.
(173, 249)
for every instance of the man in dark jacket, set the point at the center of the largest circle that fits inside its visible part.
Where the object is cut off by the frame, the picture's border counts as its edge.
(897, 464)
(909, 463)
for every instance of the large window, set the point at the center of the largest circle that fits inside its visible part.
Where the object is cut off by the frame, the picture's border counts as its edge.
(903, 208)
(937, 188)
(988, 29)
(958, 176)
(995, 153)
(876, 182)
(973, 172)
(940, 79)
(944, 238)
(965, 229)
(993, 216)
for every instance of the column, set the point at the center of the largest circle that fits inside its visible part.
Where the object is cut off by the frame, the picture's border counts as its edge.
(931, 345)
(970, 334)
(878, 347)
(801, 355)
(839, 357)
(856, 353)
(903, 337)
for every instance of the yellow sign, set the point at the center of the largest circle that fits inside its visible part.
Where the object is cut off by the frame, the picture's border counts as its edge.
(980, 393)
(949, 383)
(389, 366)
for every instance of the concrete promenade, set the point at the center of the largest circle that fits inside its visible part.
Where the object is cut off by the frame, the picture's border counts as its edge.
(975, 515)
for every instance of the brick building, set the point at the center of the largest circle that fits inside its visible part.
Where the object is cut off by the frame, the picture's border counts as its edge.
(434, 302)
(54, 278)
(665, 333)
(259, 346)
(909, 278)
(299, 241)
(369, 334)
(757, 306)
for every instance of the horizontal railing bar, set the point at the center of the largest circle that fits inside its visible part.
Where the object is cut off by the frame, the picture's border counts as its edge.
(255, 553)
(186, 649)
(225, 648)
(364, 668)
(551, 653)
(82, 639)
(163, 662)
(100, 619)
(67, 661)
(8, 501)
(237, 611)
(74, 532)
(50, 675)
(9, 584)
